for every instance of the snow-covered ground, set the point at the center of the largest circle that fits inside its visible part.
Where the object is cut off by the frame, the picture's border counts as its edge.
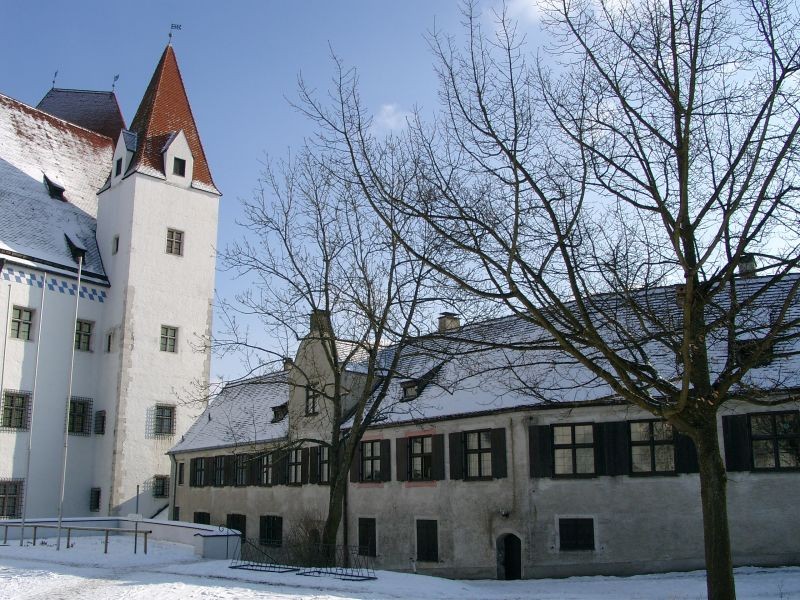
(171, 572)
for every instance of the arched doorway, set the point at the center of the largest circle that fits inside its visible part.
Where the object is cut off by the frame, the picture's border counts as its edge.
(509, 557)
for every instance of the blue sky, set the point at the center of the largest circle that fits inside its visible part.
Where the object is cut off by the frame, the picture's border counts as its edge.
(240, 61)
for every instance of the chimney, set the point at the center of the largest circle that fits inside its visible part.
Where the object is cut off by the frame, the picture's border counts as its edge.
(747, 265)
(320, 321)
(288, 363)
(448, 322)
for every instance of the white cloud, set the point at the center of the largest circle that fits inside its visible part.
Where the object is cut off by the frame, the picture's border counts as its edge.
(524, 11)
(391, 117)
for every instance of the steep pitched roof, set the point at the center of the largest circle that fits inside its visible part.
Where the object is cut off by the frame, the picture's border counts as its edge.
(95, 111)
(165, 110)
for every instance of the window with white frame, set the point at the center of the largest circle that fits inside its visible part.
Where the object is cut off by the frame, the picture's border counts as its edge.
(169, 339)
(174, 242)
(83, 335)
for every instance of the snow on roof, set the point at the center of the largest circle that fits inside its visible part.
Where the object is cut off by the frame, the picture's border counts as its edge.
(34, 144)
(242, 413)
(93, 110)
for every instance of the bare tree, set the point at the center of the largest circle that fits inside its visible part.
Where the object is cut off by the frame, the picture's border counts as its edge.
(654, 144)
(314, 247)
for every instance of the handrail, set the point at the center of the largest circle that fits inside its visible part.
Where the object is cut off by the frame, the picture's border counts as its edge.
(144, 532)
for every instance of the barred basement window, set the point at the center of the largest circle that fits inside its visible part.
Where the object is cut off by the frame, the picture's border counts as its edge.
(21, 323)
(652, 447)
(100, 422)
(169, 339)
(94, 499)
(165, 419)
(80, 416)
(478, 453)
(371, 461)
(573, 449)
(83, 336)
(202, 518)
(421, 457)
(174, 242)
(16, 410)
(775, 440)
(576, 534)
(11, 491)
(160, 486)
(427, 540)
(295, 467)
(270, 530)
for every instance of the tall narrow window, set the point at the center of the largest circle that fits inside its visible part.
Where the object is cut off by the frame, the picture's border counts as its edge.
(198, 473)
(312, 400)
(421, 454)
(219, 471)
(179, 167)
(11, 498)
(573, 449)
(295, 467)
(109, 341)
(174, 242)
(242, 469)
(100, 422)
(94, 499)
(265, 469)
(80, 416)
(367, 542)
(324, 464)
(427, 540)
(181, 469)
(83, 335)
(371, 461)
(478, 454)
(164, 419)
(15, 410)
(115, 245)
(118, 168)
(21, 323)
(169, 339)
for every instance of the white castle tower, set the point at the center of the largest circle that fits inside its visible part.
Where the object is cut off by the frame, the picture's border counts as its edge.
(135, 211)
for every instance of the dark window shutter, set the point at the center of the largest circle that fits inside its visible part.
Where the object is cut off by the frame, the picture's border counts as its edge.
(541, 450)
(401, 458)
(193, 472)
(736, 435)
(456, 456)
(386, 460)
(612, 448)
(304, 466)
(355, 467)
(437, 456)
(280, 468)
(253, 469)
(230, 469)
(685, 454)
(499, 453)
(313, 464)
(208, 471)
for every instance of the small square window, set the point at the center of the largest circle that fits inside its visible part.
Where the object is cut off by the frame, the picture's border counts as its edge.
(165, 419)
(174, 242)
(118, 168)
(169, 339)
(410, 390)
(83, 336)
(21, 323)
(202, 518)
(576, 534)
(775, 440)
(80, 416)
(94, 500)
(179, 167)
(115, 245)
(160, 486)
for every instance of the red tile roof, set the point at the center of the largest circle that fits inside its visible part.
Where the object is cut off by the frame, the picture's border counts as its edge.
(96, 111)
(165, 110)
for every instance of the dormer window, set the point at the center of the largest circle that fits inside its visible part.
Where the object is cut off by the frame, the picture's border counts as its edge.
(410, 390)
(56, 191)
(279, 412)
(753, 353)
(118, 168)
(179, 167)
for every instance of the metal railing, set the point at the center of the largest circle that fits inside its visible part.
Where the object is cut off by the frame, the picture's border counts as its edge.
(343, 562)
(70, 529)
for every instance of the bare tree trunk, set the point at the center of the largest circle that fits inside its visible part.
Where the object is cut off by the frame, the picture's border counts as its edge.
(335, 504)
(714, 497)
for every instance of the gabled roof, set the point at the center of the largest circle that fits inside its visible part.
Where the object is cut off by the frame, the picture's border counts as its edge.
(165, 110)
(35, 145)
(95, 111)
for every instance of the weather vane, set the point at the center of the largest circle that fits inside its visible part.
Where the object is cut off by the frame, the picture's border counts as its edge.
(173, 27)
(114, 83)
(54, 78)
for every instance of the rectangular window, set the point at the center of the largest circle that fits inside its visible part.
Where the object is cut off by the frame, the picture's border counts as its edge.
(573, 449)
(427, 540)
(270, 530)
(199, 473)
(371, 461)
(83, 335)
(21, 323)
(11, 498)
(420, 450)
(312, 400)
(478, 454)
(160, 486)
(652, 447)
(181, 468)
(174, 242)
(100, 422)
(115, 245)
(109, 341)
(367, 542)
(295, 467)
(118, 167)
(576, 534)
(238, 522)
(219, 471)
(775, 440)
(265, 469)
(176, 513)
(80, 416)
(94, 499)
(179, 167)
(202, 518)
(165, 419)
(15, 410)
(242, 468)
(169, 339)
(324, 464)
